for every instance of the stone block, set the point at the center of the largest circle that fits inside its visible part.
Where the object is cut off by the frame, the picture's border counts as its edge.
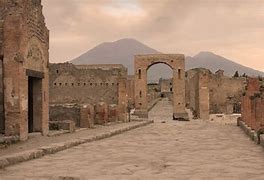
(113, 112)
(61, 112)
(87, 116)
(261, 140)
(64, 125)
(256, 138)
(101, 113)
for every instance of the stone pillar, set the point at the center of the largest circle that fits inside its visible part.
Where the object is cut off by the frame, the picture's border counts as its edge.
(252, 122)
(243, 108)
(179, 93)
(247, 110)
(2, 121)
(203, 96)
(45, 101)
(113, 113)
(258, 113)
(101, 113)
(25, 47)
(122, 99)
(86, 116)
(13, 79)
(141, 101)
(262, 112)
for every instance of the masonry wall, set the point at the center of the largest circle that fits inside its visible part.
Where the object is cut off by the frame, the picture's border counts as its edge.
(85, 84)
(65, 112)
(197, 92)
(225, 93)
(204, 96)
(192, 92)
(72, 86)
(24, 48)
(166, 85)
(215, 93)
(253, 104)
(2, 122)
(131, 90)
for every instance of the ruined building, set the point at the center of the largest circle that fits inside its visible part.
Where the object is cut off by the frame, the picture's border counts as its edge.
(253, 105)
(102, 88)
(165, 85)
(197, 92)
(24, 60)
(208, 93)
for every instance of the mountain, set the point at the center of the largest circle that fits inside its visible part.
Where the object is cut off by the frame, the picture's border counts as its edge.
(118, 52)
(215, 62)
(123, 51)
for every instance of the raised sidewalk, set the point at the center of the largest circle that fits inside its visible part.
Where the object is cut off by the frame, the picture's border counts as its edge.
(39, 146)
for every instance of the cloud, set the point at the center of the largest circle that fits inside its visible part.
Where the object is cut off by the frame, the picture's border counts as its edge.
(232, 28)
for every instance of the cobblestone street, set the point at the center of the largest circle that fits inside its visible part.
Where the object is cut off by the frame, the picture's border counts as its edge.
(164, 150)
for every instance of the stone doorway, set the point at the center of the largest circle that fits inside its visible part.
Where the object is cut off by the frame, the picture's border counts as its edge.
(34, 104)
(177, 63)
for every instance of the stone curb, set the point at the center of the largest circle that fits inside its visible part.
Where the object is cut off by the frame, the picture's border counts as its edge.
(56, 147)
(154, 104)
(251, 133)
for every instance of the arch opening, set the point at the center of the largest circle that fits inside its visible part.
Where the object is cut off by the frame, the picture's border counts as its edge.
(159, 78)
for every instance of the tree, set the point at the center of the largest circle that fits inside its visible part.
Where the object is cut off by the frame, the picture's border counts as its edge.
(236, 75)
(244, 75)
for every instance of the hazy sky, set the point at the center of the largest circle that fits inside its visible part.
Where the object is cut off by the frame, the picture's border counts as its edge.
(231, 28)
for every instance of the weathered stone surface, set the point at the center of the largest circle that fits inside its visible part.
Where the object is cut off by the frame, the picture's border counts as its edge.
(64, 125)
(101, 113)
(262, 140)
(113, 113)
(177, 63)
(24, 40)
(56, 147)
(253, 105)
(208, 93)
(87, 116)
(176, 150)
(94, 83)
(61, 112)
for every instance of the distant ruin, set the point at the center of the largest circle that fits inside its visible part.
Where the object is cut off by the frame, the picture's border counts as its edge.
(177, 63)
(75, 86)
(208, 93)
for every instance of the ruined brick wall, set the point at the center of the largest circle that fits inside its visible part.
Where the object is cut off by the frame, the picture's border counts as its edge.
(225, 93)
(131, 90)
(222, 93)
(165, 85)
(25, 44)
(253, 104)
(2, 123)
(85, 84)
(197, 92)
(65, 112)
(192, 90)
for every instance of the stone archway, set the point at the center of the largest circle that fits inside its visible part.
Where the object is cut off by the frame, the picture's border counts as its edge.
(177, 63)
